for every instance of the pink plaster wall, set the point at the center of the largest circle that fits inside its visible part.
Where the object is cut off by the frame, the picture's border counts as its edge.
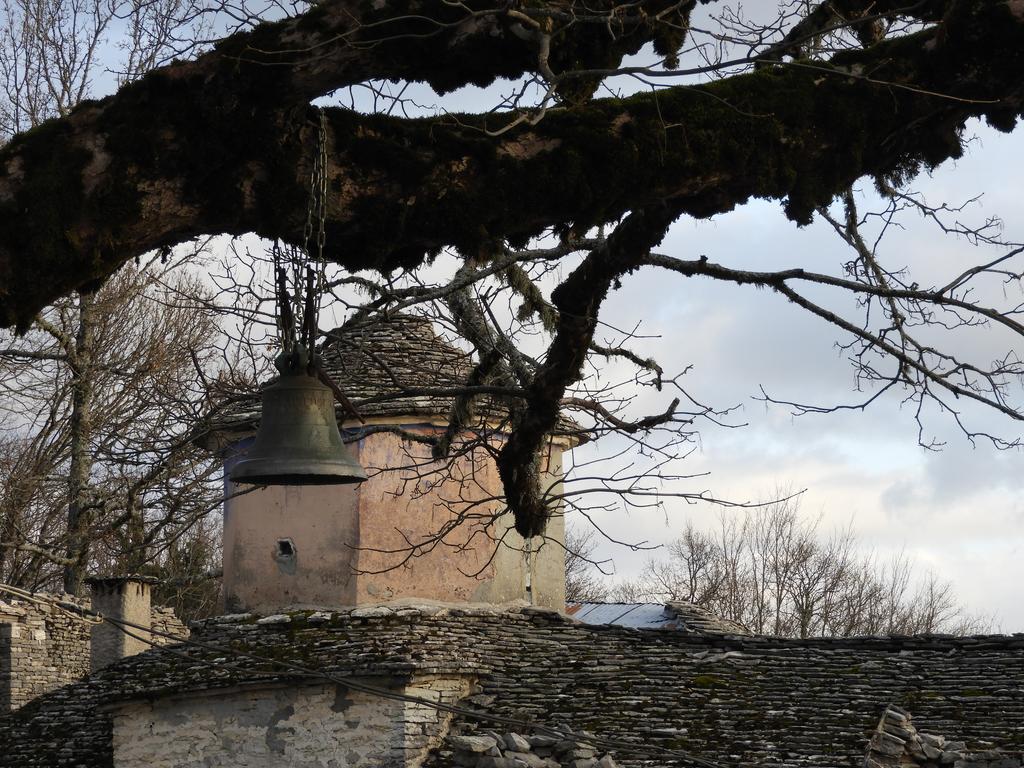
(352, 542)
(320, 521)
(413, 502)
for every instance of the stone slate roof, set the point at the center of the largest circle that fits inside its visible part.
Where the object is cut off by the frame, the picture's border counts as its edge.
(736, 700)
(388, 367)
(374, 364)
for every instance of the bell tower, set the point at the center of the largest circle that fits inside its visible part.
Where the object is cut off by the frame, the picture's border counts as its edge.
(418, 528)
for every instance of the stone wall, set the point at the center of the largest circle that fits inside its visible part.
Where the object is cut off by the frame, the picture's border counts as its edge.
(40, 649)
(163, 622)
(43, 648)
(425, 727)
(303, 726)
(491, 749)
(652, 698)
(300, 727)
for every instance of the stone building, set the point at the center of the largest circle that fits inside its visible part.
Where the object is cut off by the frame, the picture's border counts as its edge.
(40, 649)
(43, 647)
(534, 688)
(446, 662)
(354, 545)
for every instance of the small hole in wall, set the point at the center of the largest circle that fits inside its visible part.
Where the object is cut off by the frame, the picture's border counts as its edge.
(285, 548)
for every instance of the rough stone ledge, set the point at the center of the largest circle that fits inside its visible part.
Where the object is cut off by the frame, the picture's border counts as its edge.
(741, 701)
(896, 743)
(489, 749)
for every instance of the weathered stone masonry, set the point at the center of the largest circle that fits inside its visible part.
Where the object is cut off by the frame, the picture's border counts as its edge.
(40, 649)
(43, 647)
(898, 744)
(739, 701)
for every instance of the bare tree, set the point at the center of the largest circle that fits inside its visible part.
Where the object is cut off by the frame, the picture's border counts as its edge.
(774, 572)
(99, 396)
(99, 404)
(553, 197)
(582, 584)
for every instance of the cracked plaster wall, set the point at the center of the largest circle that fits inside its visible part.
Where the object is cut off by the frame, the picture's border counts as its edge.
(298, 726)
(346, 545)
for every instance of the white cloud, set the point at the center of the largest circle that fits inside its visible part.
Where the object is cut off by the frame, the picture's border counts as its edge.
(958, 511)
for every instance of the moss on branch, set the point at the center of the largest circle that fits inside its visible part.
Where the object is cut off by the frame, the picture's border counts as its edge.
(798, 133)
(224, 144)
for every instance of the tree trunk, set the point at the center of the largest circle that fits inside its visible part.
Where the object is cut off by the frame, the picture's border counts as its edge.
(81, 456)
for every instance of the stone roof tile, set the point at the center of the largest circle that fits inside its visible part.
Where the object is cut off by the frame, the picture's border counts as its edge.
(740, 701)
(383, 368)
(397, 366)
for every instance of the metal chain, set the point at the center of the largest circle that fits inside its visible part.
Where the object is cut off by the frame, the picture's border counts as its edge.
(321, 263)
(278, 257)
(314, 235)
(309, 256)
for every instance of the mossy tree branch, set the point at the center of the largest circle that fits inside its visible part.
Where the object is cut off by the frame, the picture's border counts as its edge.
(223, 144)
(578, 300)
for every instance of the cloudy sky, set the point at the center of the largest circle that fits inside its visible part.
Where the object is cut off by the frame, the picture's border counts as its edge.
(957, 511)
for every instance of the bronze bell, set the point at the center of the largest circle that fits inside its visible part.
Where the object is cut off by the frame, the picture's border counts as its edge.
(298, 441)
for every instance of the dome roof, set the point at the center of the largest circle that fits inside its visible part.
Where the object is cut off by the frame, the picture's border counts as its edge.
(390, 367)
(396, 366)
